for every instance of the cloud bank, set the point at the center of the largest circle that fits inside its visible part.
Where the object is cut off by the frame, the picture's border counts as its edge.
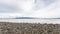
(30, 8)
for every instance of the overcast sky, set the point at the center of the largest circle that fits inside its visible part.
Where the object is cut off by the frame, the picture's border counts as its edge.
(30, 8)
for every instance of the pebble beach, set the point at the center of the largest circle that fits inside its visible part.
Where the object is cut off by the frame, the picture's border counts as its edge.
(29, 28)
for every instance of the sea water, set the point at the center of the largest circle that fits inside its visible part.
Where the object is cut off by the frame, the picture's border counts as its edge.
(42, 21)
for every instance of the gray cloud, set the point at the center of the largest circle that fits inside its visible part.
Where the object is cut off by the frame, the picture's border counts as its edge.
(6, 8)
(47, 2)
(45, 9)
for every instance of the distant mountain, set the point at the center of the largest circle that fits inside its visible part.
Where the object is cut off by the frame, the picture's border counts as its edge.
(26, 18)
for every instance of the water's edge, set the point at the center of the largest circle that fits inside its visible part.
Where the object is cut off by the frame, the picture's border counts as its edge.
(53, 21)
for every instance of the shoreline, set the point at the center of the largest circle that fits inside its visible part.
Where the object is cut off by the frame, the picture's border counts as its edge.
(42, 21)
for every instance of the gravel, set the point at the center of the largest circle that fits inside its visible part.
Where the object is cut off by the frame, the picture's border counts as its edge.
(29, 28)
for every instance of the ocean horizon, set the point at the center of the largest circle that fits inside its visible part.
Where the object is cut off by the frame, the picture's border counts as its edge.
(41, 20)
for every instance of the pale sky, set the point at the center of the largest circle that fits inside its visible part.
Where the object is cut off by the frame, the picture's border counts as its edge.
(30, 8)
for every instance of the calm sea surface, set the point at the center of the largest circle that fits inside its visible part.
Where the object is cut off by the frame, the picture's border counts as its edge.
(54, 21)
